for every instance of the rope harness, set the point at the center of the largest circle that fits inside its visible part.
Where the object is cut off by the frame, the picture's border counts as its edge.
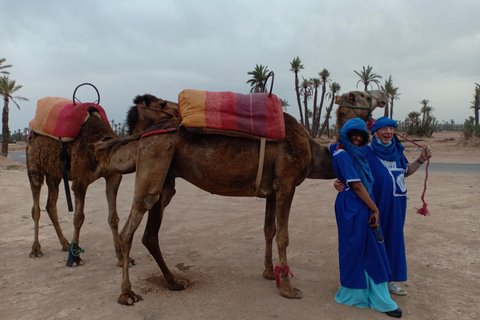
(423, 210)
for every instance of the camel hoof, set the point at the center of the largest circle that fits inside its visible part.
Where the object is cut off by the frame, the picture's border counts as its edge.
(268, 274)
(177, 285)
(291, 293)
(129, 299)
(76, 262)
(36, 254)
(36, 251)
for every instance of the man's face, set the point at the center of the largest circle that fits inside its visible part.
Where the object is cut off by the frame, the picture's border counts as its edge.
(385, 134)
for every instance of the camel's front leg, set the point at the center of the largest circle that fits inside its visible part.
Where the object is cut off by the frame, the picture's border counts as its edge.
(282, 270)
(79, 189)
(36, 181)
(269, 232)
(111, 190)
(153, 162)
(150, 236)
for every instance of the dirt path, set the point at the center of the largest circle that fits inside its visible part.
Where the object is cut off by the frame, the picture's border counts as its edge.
(217, 244)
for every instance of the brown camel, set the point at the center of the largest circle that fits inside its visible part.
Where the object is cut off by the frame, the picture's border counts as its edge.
(43, 161)
(225, 166)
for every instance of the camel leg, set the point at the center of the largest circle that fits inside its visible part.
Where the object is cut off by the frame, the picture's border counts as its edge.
(80, 190)
(150, 236)
(148, 186)
(51, 207)
(36, 181)
(269, 231)
(111, 190)
(284, 199)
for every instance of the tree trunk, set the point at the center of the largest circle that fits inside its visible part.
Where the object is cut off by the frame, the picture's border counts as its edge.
(385, 111)
(391, 109)
(320, 107)
(313, 132)
(307, 125)
(5, 130)
(327, 116)
(298, 100)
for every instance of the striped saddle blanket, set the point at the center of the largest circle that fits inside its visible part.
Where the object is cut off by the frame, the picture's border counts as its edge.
(254, 116)
(59, 118)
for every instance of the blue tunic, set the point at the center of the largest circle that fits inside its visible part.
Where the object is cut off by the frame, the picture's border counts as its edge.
(357, 246)
(390, 193)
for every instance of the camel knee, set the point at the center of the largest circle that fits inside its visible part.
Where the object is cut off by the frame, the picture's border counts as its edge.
(150, 200)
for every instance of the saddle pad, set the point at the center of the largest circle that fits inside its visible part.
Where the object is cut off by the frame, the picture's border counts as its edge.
(59, 118)
(252, 115)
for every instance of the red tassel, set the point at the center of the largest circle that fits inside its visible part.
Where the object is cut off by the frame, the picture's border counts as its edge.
(423, 210)
(284, 270)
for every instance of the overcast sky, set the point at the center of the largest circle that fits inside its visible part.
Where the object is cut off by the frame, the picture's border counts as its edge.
(430, 48)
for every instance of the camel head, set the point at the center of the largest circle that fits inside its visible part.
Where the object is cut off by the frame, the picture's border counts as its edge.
(147, 110)
(358, 104)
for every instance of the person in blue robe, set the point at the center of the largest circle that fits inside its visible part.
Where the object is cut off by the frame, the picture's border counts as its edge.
(364, 267)
(389, 166)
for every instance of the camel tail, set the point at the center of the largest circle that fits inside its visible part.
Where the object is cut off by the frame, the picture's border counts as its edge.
(118, 155)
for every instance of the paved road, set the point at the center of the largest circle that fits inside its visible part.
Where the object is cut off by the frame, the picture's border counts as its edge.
(433, 167)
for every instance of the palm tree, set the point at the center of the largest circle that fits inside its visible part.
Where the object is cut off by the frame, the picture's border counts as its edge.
(7, 89)
(285, 104)
(387, 88)
(295, 66)
(334, 89)
(394, 95)
(306, 92)
(2, 60)
(476, 103)
(324, 78)
(367, 77)
(315, 119)
(259, 75)
(424, 104)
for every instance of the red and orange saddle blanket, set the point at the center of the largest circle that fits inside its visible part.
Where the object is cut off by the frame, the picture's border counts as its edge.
(60, 118)
(254, 116)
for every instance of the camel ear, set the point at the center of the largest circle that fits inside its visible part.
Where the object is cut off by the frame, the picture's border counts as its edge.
(139, 100)
(337, 100)
(352, 97)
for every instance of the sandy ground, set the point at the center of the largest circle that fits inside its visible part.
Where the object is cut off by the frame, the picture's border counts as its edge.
(217, 244)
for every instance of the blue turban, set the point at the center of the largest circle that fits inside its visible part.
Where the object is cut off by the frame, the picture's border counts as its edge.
(361, 164)
(383, 122)
(392, 152)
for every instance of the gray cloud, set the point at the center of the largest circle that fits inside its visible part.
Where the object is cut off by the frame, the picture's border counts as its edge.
(127, 48)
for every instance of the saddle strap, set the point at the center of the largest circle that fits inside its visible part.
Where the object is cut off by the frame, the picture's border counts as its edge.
(261, 160)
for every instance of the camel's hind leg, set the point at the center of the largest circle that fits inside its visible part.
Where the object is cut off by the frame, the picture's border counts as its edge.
(150, 236)
(36, 181)
(284, 199)
(269, 232)
(52, 184)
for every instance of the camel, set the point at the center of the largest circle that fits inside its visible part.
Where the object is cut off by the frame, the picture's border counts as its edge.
(43, 161)
(226, 166)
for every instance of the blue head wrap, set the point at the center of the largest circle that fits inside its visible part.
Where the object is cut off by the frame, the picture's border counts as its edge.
(383, 122)
(393, 151)
(361, 164)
